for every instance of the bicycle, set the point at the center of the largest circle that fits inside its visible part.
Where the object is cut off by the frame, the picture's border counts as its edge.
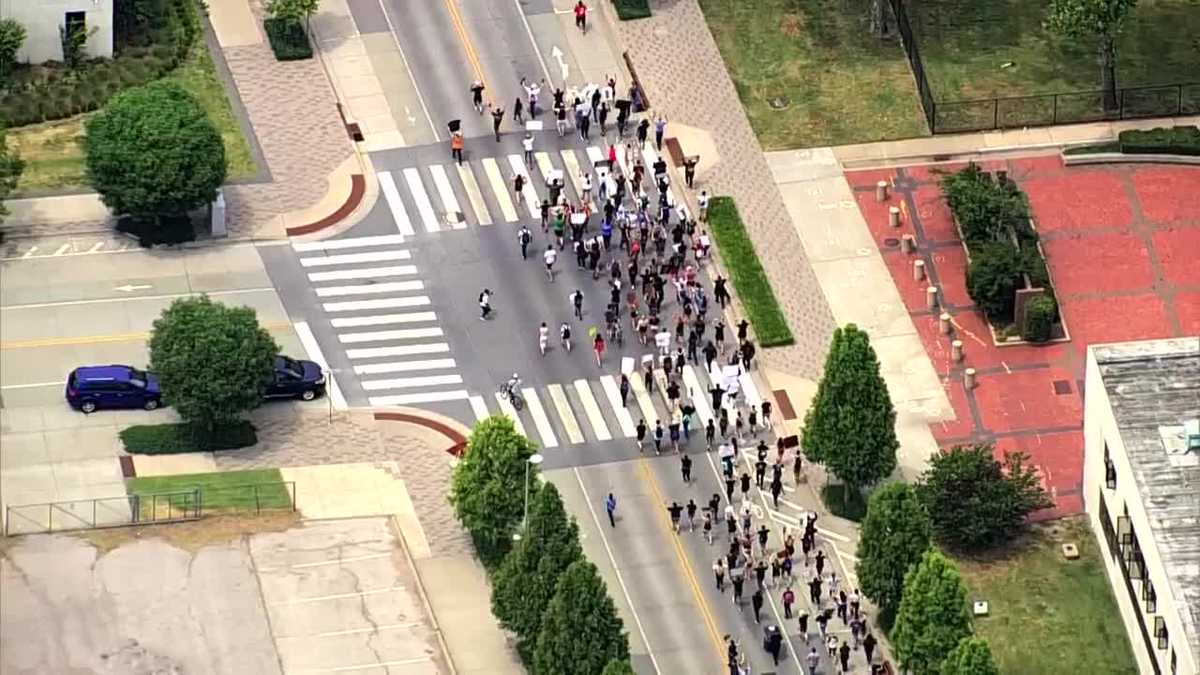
(512, 396)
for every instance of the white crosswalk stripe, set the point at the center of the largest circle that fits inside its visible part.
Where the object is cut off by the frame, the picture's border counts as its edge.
(474, 195)
(528, 192)
(384, 335)
(369, 289)
(511, 413)
(403, 366)
(450, 205)
(392, 196)
(363, 273)
(383, 303)
(697, 393)
(479, 407)
(499, 189)
(349, 242)
(402, 350)
(410, 382)
(645, 403)
(559, 398)
(354, 258)
(382, 319)
(416, 188)
(413, 399)
(613, 393)
(540, 421)
(592, 409)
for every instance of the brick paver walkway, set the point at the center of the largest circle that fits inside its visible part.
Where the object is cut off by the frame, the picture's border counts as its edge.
(685, 78)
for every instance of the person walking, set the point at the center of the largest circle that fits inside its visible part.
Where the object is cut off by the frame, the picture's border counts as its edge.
(497, 120)
(763, 533)
(756, 601)
(702, 204)
(685, 467)
(802, 620)
(658, 436)
(720, 291)
(675, 511)
(577, 304)
(660, 128)
(869, 647)
(581, 11)
(719, 573)
(813, 660)
(524, 236)
(844, 657)
(477, 96)
(598, 347)
(527, 144)
(456, 147)
(710, 432)
(760, 466)
(518, 111)
(643, 130)
(737, 589)
(820, 562)
(641, 433)
(610, 505)
(689, 170)
(745, 479)
(691, 509)
(776, 490)
(485, 304)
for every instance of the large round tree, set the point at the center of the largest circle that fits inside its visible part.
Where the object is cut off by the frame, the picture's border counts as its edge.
(581, 632)
(895, 533)
(153, 152)
(933, 614)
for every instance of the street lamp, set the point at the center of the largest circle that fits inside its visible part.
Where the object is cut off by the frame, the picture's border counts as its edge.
(534, 460)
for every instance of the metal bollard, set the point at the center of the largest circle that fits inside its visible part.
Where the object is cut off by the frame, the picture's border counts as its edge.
(908, 243)
(956, 351)
(881, 191)
(931, 298)
(918, 270)
(894, 216)
(944, 324)
(969, 378)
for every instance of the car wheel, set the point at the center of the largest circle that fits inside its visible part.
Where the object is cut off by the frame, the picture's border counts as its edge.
(152, 404)
(308, 395)
(88, 406)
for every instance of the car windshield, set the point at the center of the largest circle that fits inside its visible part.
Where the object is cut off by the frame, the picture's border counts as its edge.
(137, 378)
(292, 367)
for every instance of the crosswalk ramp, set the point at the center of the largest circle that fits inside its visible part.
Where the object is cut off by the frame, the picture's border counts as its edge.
(380, 317)
(592, 410)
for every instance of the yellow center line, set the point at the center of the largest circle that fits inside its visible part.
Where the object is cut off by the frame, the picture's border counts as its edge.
(461, 29)
(99, 339)
(705, 610)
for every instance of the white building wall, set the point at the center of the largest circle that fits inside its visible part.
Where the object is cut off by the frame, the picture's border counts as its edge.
(1100, 426)
(43, 18)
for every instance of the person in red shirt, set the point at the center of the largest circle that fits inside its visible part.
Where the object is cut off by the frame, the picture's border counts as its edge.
(581, 16)
(598, 346)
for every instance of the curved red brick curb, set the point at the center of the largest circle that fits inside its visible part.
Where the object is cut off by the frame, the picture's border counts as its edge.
(460, 441)
(358, 188)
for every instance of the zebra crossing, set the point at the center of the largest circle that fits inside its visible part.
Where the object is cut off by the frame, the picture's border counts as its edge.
(426, 199)
(381, 319)
(592, 410)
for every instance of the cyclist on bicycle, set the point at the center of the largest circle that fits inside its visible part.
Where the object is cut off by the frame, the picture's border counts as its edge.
(543, 337)
(512, 388)
(564, 334)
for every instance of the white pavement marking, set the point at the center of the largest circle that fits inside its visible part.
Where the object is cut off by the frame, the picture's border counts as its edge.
(559, 398)
(499, 189)
(528, 192)
(408, 69)
(397, 334)
(626, 167)
(30, 252)
(595, 417)
(382, 319)
(545, 430)
(425, 397)
(643, 400)
(446, 193)
(354, 258)
(479, 407)
(595, 154)
(350, 242)
(474, 195)
(697, 394)
(403, 366)
(395, 204)
(750, 391)
(613, 393)
(369, 289)
(383, 303)
(402, 350)
(790, 521)
(34, 385)
(96, 247)
(544, 165)
(313, 349)
(413, 178)
(63, 249)
(407, 382)
(103, 301)
(363, 273)
(511, 413)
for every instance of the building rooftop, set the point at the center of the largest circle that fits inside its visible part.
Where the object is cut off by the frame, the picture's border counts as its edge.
(1154, 388)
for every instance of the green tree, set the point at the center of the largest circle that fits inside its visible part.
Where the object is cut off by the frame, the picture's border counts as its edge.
(487, 489)
(581, 632)
(12, 36)
(933, 614)
(975, 501)
(617, 667)
(993, 277)
(851, 425)
(292, 10)
(895, 533)
(1101, 19)
(153, 152)
(972, 656)
(524, 583)
(11, 167)
(212, 360)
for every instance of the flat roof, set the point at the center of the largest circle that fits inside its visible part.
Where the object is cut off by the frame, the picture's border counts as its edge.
(1153, 384)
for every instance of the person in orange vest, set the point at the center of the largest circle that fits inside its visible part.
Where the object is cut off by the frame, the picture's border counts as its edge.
(456, 147)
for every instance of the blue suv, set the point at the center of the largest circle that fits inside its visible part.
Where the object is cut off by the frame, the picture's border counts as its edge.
(92, 387)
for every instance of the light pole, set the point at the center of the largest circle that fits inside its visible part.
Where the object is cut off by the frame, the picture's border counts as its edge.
(534, 460)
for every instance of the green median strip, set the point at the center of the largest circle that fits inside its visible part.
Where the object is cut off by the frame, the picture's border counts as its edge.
(235, 490)
(749, 278)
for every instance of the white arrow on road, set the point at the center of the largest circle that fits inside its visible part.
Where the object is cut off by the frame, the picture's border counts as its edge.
(129, 288)
(558, 56)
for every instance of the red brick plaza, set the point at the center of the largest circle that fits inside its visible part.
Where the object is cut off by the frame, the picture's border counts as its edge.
(1123, 246)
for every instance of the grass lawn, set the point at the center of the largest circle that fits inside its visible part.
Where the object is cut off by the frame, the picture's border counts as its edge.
(1044, 608)
(844, 86)
(749, 278)
(53, 151)
(223, 490)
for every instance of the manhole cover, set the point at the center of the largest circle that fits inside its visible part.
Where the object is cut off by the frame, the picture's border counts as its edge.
(1062, 387)
(779, 102)
(891, 242)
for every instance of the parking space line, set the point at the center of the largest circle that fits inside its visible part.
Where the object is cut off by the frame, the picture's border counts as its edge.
(101, 339)
(34, 385)
(313, 349)
(337, 596)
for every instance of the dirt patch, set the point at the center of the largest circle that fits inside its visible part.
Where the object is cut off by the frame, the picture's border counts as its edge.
(792, 25)
(194, 535)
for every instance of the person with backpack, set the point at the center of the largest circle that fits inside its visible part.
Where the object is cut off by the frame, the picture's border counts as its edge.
(524, 236)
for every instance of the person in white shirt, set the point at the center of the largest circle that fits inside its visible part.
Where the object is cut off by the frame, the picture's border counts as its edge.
(527, 143)
(702, 202)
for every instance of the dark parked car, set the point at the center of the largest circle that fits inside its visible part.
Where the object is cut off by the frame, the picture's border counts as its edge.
(295, 379)
(90, 388)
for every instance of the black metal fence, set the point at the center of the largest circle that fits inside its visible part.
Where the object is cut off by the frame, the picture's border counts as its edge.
(945, 117)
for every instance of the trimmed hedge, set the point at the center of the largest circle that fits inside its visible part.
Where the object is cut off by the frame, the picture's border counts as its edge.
(749, 278)
(632, 9)
(1163, 140)
(177, 438)
(288, 39)
(1039, 319)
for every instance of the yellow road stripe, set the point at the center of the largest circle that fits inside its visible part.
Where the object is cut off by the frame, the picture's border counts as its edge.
(99, 339)
(705, 611)
(461, 29)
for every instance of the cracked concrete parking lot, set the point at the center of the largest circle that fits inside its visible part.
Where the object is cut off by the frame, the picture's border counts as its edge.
(322, 596)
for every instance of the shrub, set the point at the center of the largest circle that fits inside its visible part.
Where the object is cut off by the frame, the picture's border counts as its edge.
(632, 9)
(986, 211)
(1039, 318)
(1181, 140)
(288, 39)
(173, 439)
(12, 36)
(993, 278)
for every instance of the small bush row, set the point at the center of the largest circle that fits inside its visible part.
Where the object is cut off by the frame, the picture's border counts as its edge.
(1180, 140)
(288, 39)
(177, 438)
(632, 9)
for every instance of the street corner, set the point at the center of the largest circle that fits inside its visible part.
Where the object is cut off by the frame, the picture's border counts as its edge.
(407, 425)
(351, 193)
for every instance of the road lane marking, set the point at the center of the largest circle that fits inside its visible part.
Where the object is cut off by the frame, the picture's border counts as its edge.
(403, 366)
(397, 334)
(354, 258)
(382, 319)
(102, 339)
(651, 156)
(479, 407)
(396, 205)
(363, 273)
(559, 398)
(544, 429)
(132, 298)
(313, 349)
(643, 400)
(450, 204)
(697, 394)
(528, 191)
(474, 194)
(499, 188)
(407, 382)
(611, 391)
(544, 165)
(424, 207)
(511, 413)
(349, 242)
(592, 409)
(382, 303)
(427, 397)
(369, 289)
(400, 350)
(750, 391)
